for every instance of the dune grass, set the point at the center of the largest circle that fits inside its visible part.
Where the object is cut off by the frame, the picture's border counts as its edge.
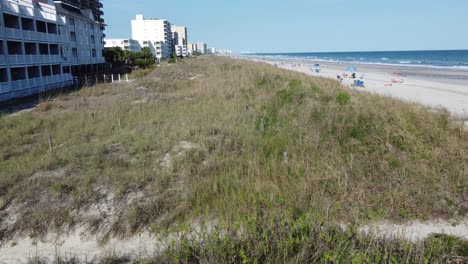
(267, 140)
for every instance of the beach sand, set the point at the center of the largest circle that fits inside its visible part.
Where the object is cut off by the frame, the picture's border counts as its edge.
(434, 87)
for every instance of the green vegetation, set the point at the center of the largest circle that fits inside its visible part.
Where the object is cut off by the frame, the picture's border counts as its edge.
(276, 159)
(117, 57)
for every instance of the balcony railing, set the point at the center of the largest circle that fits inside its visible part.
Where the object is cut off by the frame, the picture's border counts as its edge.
(32, 35)
(31, 59)
(5, 87)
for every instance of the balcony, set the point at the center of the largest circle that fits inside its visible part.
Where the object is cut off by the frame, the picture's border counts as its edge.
(13, 33)
(16, 59)
(5, 87)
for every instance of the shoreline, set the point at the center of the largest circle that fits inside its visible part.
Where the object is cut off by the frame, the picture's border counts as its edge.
(433, 87)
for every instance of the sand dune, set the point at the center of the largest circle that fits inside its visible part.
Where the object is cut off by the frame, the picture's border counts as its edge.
(434, 87)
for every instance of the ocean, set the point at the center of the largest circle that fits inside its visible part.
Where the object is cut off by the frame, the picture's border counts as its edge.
(434, 58)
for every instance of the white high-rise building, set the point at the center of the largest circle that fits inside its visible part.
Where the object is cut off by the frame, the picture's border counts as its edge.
(202, 47)
(179, 35)
(191, 48)
(155, 34)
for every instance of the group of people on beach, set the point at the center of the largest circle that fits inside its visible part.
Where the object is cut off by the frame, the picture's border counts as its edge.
(345, 75)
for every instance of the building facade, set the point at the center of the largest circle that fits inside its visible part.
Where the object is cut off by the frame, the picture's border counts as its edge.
(155, 34)
(85, 37)
(181, 50)
(202, 48)
(32, 58)
(125, 44)
(43, 43)
(179, 35)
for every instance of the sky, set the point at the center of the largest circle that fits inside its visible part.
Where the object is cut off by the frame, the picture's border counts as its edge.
(304, 25)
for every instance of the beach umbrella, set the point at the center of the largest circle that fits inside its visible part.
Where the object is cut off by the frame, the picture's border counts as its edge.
(351, 68)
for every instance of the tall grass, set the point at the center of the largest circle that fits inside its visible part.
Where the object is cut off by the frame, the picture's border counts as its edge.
(304, 144)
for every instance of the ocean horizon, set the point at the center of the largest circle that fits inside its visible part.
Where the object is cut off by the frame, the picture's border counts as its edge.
(455, 59)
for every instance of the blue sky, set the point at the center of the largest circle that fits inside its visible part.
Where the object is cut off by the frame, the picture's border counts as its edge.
(305, 25)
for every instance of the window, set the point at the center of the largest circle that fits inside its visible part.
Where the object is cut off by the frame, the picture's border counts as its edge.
(73, 36)
(66, 69)
(1, 48)
(71, 21)
(30, 48)
(75, 52)
(43, 49)
(11, 21)
(93, 40)
(33, 72)
(27, 24)
(52, 28)
(14, 48)
(3, 75)
(56, 69)
(54, 49)
(93, 53)
(18, 74)
(125, 41)
(46, 70)
(41, 26)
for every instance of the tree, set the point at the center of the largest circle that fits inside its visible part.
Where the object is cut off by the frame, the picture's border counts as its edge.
(114, 56)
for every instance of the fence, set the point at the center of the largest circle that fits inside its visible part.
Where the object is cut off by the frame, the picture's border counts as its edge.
(93, 79)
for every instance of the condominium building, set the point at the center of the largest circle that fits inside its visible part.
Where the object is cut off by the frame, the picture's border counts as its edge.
(179, 35)
(33, 45)
(125, 44)
(191, 48)
(155, 34)
(202, 47)
(44, 43)
(181, 50)
(85, 36)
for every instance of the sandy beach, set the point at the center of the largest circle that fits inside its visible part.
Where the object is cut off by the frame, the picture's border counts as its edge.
(434, 87)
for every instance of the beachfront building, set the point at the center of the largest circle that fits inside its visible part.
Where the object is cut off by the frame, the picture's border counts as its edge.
(179, 36)
(125, 44)
(191, 48)
(202, 47)
(85, 35)
(181, 50)
(33, 47)
(155, 34)
(43, 43)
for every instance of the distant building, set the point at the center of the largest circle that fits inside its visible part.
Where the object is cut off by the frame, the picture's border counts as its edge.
(191, 48)
(125, 44)
(43, 43)
(181, 50)
(179, 35)
(155, 34)
(202, 48)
